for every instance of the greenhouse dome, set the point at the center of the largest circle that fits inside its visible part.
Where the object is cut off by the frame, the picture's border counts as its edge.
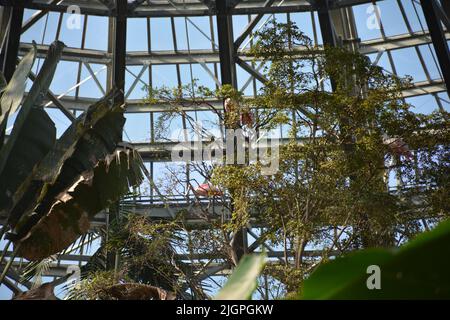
(148, 148)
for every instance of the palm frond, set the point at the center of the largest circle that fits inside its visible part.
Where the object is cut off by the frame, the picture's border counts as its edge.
(35, 270)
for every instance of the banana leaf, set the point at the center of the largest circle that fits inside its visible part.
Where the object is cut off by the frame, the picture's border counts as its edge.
(417, 270)
(94, 145)
(48, 178)
(14, 90)
(244, 280)
(71, 211)
(86, 143)
(33, 134)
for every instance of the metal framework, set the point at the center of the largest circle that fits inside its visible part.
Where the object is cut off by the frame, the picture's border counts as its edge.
(226, 29)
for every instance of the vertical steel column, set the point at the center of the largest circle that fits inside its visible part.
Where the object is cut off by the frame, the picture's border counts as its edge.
(10, 50)
(226, 43)
(326, 24)
(326, 28)
(437, 35)
(118, 81)
(119, 50)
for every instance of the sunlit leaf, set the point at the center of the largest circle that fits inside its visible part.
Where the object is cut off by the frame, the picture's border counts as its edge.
(72, 209)
(418, 270)
(14, 90)
(242, 283)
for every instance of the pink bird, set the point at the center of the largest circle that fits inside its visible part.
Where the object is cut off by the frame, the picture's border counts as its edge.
(229, 105)
(397, 146)
(247, 119)
(207, 189)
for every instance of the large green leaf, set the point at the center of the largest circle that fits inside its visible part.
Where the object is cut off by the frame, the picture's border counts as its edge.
(418, 270)
(65, 146)
(14, 90)
(49, 170)
(71, 211)
(242, 283)
(33, 134)
(98, 134)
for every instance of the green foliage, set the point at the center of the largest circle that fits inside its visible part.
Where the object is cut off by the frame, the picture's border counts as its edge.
(91, 288)
(103, 286)
(145, 254)
(407, 272)
(146, 250)
(417, 270)
(333, 190)
(243, 281)
(333, 170)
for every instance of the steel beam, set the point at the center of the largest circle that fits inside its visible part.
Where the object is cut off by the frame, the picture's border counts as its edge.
(36, 17)
(58, 269)
(227, 54)
(109, 4)
(119, 50)
(443, 14)
(226, 45)
(326, 23)
(254, 73)
(136, 106)
(165, 57)
(5, 15)
(133, 5)
(251, 25)
(11, 286)
(162, 151)
(327, 28)
(397, 42)
(437, 35)
(189, 8)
